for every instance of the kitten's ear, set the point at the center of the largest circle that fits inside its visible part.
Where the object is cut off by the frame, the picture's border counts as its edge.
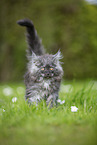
(34, 56)
(57, 56)
(31, 56)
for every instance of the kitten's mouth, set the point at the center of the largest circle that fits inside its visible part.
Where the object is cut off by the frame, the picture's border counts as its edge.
(47, 77)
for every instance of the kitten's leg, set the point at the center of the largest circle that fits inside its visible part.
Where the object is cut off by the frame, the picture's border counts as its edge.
(52, 100)
(32, 101)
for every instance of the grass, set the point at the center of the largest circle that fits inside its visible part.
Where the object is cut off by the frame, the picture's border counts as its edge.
(24, 125)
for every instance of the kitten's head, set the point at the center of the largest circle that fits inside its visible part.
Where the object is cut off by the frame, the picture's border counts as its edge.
(45, 66)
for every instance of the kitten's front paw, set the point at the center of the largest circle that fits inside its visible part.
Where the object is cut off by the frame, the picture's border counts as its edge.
(51, 101)
(32, 101)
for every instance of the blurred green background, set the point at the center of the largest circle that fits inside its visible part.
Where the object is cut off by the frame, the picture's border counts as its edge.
(68, 25)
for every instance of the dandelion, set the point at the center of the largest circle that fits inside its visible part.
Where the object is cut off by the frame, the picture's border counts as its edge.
(7, 91)
(74, 109)
(14, 99)
(61, 102)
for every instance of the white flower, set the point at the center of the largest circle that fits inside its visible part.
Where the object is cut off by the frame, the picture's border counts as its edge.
(58, 100)
(74, 109)
(61, 102)
(8, 91)
(20, 90)
(14, 99)
(3, 110)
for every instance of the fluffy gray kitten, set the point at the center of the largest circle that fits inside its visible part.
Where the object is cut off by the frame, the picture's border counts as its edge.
(44, 71)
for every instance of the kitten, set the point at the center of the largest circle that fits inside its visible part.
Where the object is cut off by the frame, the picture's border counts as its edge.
(44, 71)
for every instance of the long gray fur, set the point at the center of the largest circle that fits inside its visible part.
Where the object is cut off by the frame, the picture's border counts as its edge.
(44, 71)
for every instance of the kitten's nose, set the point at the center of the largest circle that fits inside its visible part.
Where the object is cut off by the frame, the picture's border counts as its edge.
(48, 74)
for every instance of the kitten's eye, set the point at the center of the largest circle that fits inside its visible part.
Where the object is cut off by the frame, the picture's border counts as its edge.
(42, 68)
(51, 68)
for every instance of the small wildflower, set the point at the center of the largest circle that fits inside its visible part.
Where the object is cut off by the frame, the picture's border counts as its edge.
(61, 102)
(8, 91)
(74, 109)
(14, 99)
(3, 110)
(58, 100)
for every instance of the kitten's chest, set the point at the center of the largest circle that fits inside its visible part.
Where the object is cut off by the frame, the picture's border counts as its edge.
(45, 88)
(46, 84)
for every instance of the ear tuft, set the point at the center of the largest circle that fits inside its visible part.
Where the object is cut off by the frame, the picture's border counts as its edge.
(31, 55)
(34, 56)
(58, 55)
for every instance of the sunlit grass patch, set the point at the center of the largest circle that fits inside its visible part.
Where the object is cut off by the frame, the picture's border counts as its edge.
(24, 124)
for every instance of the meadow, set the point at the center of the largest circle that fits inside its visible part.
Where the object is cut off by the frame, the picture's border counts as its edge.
(73, 122)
